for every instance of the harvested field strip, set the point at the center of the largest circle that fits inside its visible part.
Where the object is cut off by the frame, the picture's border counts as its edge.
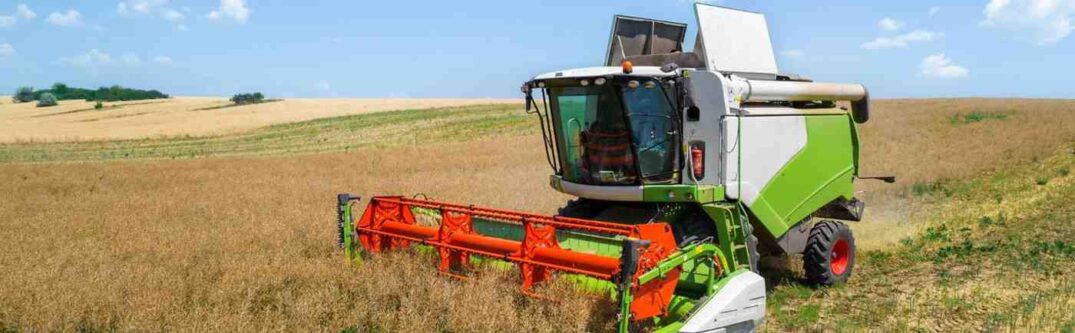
(412, 127)
(106, 108)
(115, 116)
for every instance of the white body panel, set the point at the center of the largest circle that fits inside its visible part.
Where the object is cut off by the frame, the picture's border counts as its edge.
(711, 100)
(767, 144)
(735, 40)
(612, 193)
(738, 307)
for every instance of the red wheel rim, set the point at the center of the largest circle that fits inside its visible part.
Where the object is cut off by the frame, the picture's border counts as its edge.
(839, 257)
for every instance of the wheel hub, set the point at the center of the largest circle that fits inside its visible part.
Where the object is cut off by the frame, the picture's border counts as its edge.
(839, 257)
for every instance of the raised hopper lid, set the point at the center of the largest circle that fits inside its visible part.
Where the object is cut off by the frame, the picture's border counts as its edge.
(733, 40)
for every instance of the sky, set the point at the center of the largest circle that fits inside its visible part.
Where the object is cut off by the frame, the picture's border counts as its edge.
(910, 48)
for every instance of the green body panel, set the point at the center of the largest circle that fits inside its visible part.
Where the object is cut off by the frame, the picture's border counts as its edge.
(682, 193)
(731, 233)
(820, 173)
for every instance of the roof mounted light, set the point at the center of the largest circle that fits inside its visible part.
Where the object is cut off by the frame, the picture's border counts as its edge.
(628, 67)
(600, 81)
(584, 82)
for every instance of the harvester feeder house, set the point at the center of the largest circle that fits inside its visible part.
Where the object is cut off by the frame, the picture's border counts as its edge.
(687, 167)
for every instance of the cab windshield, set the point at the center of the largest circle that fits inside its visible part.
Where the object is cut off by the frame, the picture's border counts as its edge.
(619, 133)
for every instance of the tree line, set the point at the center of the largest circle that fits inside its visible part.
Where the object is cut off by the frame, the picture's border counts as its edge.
(61, 92)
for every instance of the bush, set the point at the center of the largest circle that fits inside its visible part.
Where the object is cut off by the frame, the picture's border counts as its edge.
(46, 100)
(248, 98)
(23, 95)
(98, 106)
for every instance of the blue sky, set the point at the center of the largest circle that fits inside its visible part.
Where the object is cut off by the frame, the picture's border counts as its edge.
(907, 48)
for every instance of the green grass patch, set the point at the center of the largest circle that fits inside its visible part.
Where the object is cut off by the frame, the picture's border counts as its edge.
(974, 117)
(922, 189)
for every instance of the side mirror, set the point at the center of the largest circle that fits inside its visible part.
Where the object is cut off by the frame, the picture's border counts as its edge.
(529, 102)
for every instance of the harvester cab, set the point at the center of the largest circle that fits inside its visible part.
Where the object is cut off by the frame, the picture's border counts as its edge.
(688, 166)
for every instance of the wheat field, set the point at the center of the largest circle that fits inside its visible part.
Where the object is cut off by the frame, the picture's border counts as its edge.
(224, 242)
(77, 120)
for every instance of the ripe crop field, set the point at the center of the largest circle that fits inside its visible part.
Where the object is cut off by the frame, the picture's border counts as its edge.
(78, 120)
(235, 230)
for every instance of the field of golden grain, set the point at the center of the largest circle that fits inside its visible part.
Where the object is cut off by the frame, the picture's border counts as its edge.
(77, 120)
(246, 242)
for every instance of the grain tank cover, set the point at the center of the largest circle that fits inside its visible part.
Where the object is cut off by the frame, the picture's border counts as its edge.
(734, 41)
(635, 36)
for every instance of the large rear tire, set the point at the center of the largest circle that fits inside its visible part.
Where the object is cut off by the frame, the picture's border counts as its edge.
(830, 253)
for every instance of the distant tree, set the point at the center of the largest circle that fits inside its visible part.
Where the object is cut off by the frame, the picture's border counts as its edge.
(60, 90)
(23, 95)
(253, 98)
(46, 100)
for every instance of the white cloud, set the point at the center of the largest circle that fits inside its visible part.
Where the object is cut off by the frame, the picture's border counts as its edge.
(322, 85)
(902, 40)
(941, 67)
(138, 7)
(172, 15)
(157, 8)
(72, 18)
(21, 12)
(1042, 21)
(24, 12)
(234, 10)
(793, 53)
(131, 59)
(6, 50)
(163, 60)
(93, 58)
(890, 24)
(181, 27)
(934, 11)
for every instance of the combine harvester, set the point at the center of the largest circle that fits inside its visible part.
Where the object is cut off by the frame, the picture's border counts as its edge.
(687, 167)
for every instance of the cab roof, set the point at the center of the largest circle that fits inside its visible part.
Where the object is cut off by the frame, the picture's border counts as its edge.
(648, 71)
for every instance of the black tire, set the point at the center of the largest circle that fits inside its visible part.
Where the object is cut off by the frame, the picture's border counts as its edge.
(830, 253)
